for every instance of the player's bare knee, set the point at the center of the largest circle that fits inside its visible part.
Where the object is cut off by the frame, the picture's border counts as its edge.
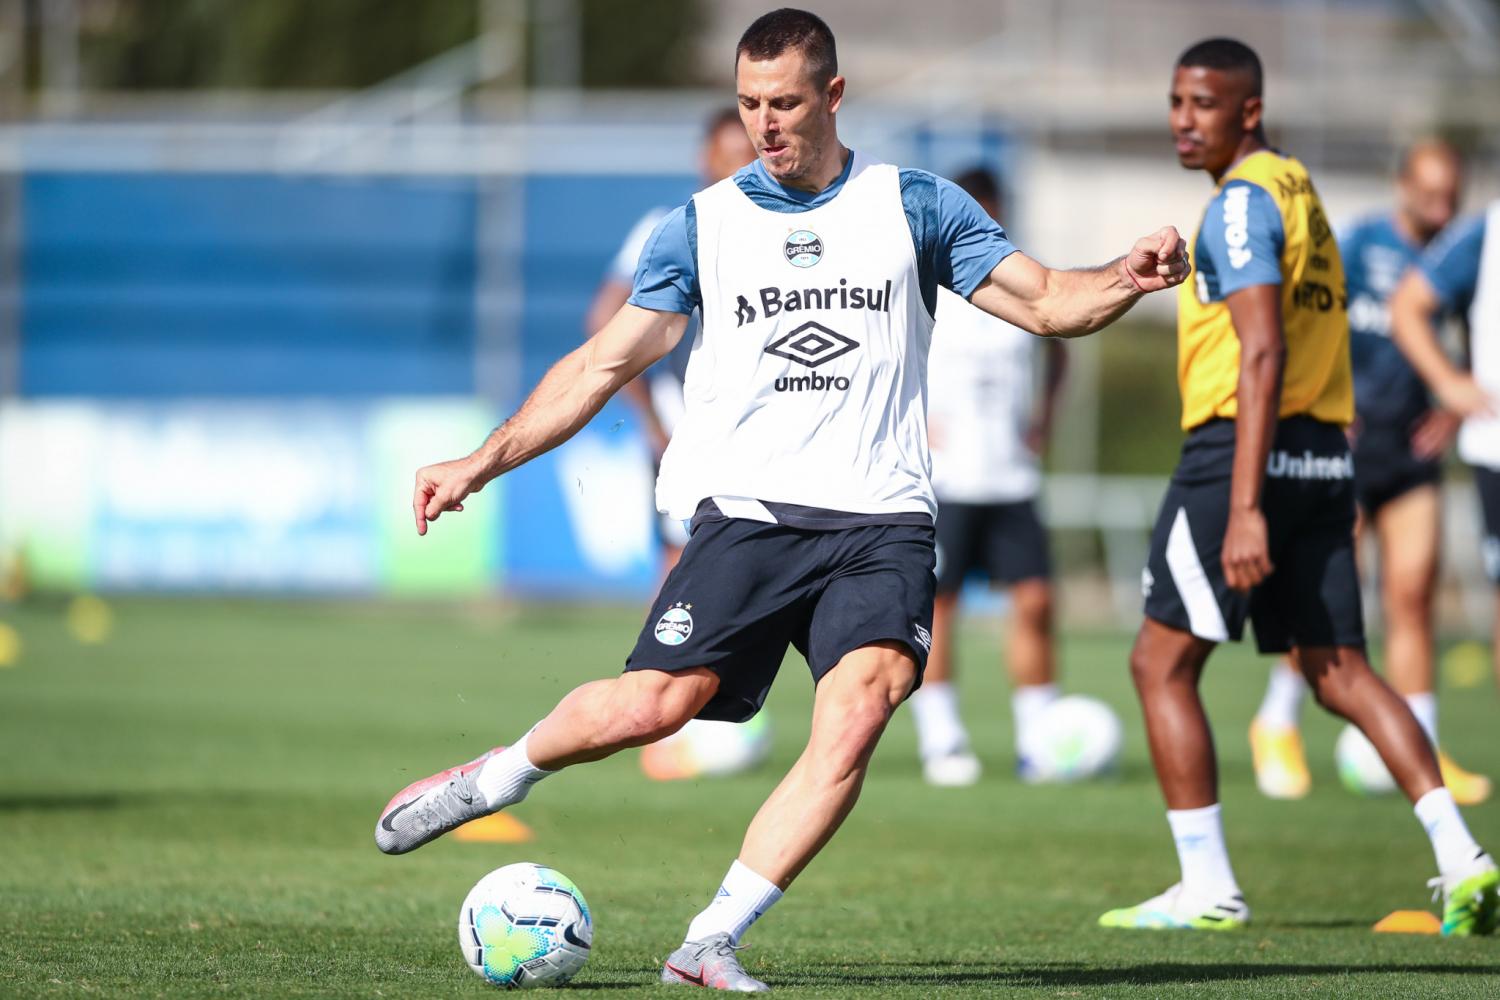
(1148, 671)
(1032, 603)
(648, 720)
(843, 755)
(1335, 678)
(652, 704)
(1408, 603)
(868, 717)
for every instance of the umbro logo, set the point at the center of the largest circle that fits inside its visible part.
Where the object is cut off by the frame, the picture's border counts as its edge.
(923, 636)
(812, 344)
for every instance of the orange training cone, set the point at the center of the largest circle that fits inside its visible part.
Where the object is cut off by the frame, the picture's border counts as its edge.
(496, 828)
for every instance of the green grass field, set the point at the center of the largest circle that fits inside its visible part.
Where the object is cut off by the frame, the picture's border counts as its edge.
(186, 810)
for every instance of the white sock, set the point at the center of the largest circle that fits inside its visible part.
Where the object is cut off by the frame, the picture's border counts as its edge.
(742, 899)
(940, 731)
(1027, 703)
(505, 778)
(1199, 834)
(1452, 844)
(1282, 706)
(1424, 707)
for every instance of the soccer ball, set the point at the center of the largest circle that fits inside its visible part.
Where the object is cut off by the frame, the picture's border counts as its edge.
(1360, 767)
(525, 925)
(1075, 738)
(706, 749)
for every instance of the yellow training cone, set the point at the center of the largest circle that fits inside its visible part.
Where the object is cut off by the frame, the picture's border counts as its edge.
(90, 620)
(1409, 922)
(1466, 665)
(10, 645)
(496, 828)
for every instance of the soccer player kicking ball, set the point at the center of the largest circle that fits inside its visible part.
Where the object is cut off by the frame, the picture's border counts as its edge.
(1259, 519)
(801, 460)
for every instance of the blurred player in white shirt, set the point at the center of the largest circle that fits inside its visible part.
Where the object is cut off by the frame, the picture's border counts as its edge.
(988, 425)
(657, 394)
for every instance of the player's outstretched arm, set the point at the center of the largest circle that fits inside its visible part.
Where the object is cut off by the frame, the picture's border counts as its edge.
(610, 296)
(567, 397)
(1076, 303)
(1413, 306)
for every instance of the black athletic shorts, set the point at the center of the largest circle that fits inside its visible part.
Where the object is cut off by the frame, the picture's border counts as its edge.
(1487, 481)
(1385, 468)
(744, 589)
(1312, 596)
(1006, 541)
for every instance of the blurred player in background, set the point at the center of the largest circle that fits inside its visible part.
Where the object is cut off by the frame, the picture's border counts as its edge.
(1258, 521)
(1459, 275)
(1399, 440)
(988, 426)
(656, 395)
(701, 746)
(802, 460)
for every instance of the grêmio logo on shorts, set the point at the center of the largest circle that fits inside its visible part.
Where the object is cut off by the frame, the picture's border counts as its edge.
(675, 625)
(1285, 465)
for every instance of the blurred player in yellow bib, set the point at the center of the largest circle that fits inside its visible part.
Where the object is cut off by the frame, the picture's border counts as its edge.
(1258, 522)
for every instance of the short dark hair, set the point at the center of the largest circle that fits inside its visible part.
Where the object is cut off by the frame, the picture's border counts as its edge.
(789, 28)
(1228, 54)
(980, 184)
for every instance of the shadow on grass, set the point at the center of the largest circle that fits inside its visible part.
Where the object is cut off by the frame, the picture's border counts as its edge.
(111, 801)
(892, 974)
(61, 802)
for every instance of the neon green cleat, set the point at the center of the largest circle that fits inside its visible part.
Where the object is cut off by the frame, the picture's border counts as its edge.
(1471, 905)
(1170, 912)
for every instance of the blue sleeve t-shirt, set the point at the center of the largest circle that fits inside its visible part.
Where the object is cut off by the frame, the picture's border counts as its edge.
(1451, 264)
(1389, 397)
(956, 243)
(1240, 242)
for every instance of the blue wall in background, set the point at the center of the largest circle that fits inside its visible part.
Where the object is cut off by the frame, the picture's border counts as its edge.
(163, 287)
(574, 226)
(140, 285)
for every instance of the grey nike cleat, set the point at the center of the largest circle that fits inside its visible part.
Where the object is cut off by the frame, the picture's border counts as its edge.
(711, 962)
(425, 810)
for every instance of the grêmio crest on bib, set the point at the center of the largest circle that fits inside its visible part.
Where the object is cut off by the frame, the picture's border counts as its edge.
(803, 248)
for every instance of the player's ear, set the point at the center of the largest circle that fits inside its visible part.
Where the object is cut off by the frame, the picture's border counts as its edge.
(835, 94)
(1250, 113)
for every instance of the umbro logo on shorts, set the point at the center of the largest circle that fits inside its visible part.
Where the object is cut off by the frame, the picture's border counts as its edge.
(923, 636)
